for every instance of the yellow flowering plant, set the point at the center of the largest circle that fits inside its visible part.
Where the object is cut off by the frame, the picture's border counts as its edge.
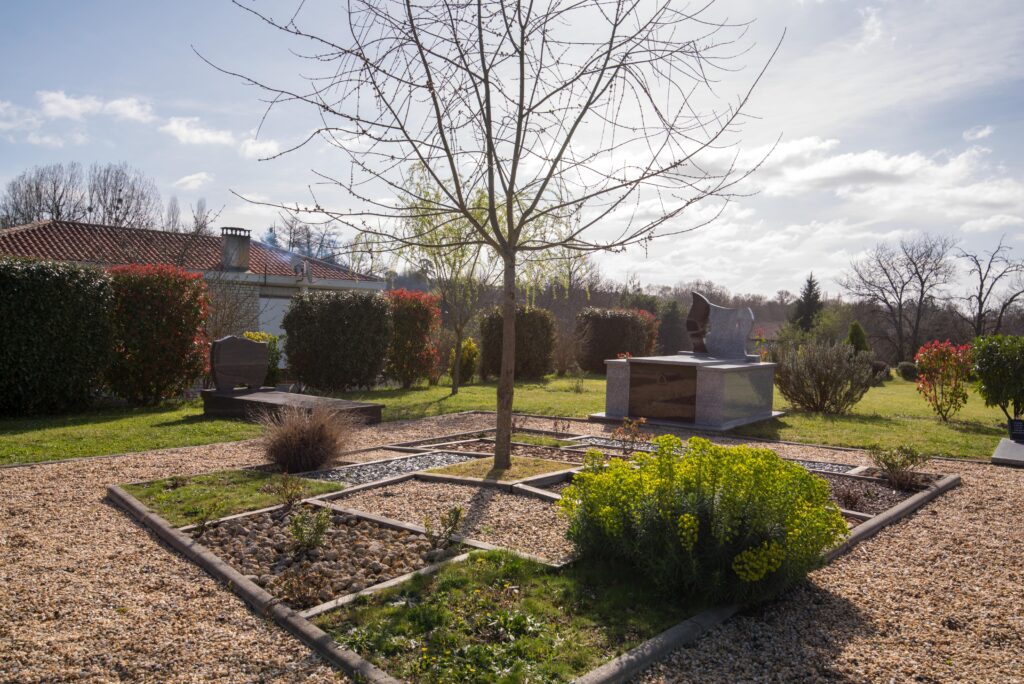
(704, 521)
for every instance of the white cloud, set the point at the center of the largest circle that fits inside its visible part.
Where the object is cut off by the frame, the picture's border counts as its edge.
(978, 132)
(130, 109)
(193, 181)
(188, 131)
(44, 140)
(55, 104)
(14, 118)
(252, 148)
(988, 224)
(871, 27)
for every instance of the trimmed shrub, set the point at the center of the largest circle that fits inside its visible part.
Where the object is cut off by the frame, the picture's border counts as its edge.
(943, 371)
(672, 336)
(56, 340)
(881, 372)
(412, 353)
(606, 333)
(159, 320)
(907, 370)
(298, 440)
(720, 523)
(857, 338)
(337, 340)
(273, 347)
(468, 361)
(999, 365)
(535, 343)
(823, 377)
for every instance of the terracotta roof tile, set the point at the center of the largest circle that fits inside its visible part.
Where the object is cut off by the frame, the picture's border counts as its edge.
(111, 245)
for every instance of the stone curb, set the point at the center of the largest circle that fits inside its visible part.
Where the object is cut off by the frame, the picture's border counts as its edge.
(633, 661)
(549, 478)
(527, 490)
(902, 510)
(256, 597)
(503, 485)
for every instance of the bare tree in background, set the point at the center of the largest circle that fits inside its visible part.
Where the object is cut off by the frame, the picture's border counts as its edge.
(997, 284)
(172, 217)
(119, 195)
(902, 281)
(54, 191)
(596, 109)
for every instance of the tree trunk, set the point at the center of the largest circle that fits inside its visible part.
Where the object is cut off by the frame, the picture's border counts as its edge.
(457, 366)
(506, 379)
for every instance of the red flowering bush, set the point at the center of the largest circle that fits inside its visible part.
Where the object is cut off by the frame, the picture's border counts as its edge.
(416, 318)
(943, 372)
(160, 345)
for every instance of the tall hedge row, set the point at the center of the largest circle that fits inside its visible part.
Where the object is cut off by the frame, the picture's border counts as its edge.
(337, 340)
(412, 353)
(605, 333)
(535, 343)
(57, 335)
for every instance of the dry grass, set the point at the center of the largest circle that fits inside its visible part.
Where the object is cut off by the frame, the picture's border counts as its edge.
(522, 467)
(298, 440)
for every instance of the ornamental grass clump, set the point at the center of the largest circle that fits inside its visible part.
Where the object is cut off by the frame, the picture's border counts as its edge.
(706, 522)
(298, 440)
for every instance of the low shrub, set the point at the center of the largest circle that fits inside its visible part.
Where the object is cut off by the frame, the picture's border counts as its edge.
(943, 371)
(907, 370)
(415, 318)
(297, 440)
(337, 340)
(535, 343)
(468, 361)
(999, 366)
(897, 465)
(159, 319)
(56, 340)
(709, 521)
(880, 372)
(606, 333)
(823, 377)
(307, 530)
(273, 346)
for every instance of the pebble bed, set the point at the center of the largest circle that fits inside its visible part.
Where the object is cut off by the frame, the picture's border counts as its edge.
(823, 466)
(863, 496)
(518, 522)
(371, 472)
(355, 554)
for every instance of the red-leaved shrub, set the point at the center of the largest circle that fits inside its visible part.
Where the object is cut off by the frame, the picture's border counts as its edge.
(160, 345)
(943, 371)
(416, 318)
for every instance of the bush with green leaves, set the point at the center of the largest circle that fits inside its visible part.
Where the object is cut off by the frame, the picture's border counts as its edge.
(535, 343)
(706, 521)
(605, 333)
(943, 371)
(308, 530)
(907, 370)
(56, 341)
(468, 361)
(999, 366)
(337, 340)
(823, 377)
(857, 338)
(897, 465)
(415, 318)
(274, 349)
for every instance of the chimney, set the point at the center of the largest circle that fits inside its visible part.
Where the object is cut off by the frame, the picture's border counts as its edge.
(235, 249)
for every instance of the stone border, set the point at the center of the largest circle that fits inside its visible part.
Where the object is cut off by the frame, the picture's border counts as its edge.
(255, 596)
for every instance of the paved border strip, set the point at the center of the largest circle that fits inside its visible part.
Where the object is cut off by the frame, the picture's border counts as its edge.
(258, 598)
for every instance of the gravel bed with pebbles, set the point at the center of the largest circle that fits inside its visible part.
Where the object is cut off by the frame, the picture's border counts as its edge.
(517, 522)
(372, 455)
(371, 472)
(863, 496)
(355, 554)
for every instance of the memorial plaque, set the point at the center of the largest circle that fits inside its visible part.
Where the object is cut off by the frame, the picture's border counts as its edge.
(663, 392)
(236, 361)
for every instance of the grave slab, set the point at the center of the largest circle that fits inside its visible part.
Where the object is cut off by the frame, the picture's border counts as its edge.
(1009, 453)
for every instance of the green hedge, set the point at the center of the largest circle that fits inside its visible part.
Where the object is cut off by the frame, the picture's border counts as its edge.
(416, 318)
(605, 333)
(337, 340)
(999, 367)
(535, 343)
(57, 337)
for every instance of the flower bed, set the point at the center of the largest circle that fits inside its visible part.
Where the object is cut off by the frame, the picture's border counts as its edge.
(370, 472)
(354, 554)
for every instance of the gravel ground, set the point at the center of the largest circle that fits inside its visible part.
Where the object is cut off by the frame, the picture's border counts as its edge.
(863, 496)
(86, 594)
(360, 474)
(518, 522)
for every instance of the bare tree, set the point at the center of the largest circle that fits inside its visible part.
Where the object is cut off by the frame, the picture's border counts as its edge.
(54, 191)
(998, 283)
(590, 111)
(119, 195)
(172, 217)
(903, 282)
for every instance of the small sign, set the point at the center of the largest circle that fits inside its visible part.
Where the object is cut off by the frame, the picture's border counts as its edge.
(1017, 430)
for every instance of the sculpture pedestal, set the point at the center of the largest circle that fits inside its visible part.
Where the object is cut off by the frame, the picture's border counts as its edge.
(694, 391)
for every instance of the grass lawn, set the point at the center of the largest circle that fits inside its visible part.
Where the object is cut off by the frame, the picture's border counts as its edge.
(114, 431)
(522, 467)
(185, 500)
(500, 618)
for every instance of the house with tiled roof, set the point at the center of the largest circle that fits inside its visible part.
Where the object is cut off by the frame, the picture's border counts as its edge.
(251, 283)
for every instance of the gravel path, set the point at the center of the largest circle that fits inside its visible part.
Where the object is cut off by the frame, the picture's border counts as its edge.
(518, 522)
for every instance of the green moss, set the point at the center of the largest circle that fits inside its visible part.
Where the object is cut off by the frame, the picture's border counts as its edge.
(500, 618)
(186, 500)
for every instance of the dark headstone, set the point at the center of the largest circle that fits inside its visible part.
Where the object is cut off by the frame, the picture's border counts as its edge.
(718, 331)
(697, 322)
(236, 361)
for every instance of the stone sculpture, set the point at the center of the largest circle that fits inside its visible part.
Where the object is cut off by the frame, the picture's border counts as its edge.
(718, 331)
(236, 361)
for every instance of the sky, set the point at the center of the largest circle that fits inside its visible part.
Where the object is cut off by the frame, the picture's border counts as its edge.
(889, 118)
